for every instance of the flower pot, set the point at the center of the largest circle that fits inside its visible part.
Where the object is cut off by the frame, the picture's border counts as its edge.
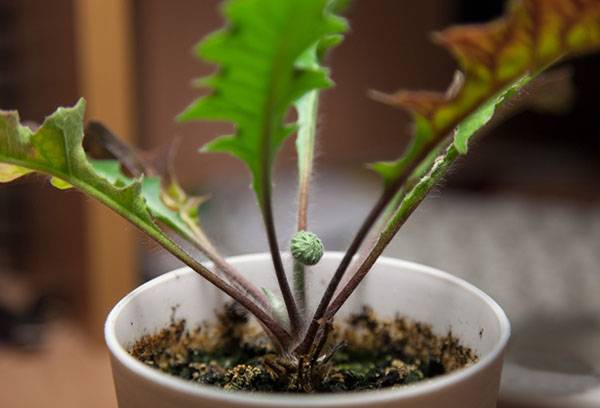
(392, 287)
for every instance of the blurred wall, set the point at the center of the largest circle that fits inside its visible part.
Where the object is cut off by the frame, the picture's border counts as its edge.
(387, 48)
(37, 74)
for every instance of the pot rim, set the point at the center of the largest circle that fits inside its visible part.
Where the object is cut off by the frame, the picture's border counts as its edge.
(361, 398)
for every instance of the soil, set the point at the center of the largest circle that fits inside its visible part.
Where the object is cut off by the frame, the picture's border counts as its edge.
(362, 353)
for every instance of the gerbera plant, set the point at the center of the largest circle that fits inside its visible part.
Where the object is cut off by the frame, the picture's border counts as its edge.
(269, 60)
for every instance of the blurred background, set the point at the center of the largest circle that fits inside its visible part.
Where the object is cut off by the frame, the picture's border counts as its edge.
(520, 217)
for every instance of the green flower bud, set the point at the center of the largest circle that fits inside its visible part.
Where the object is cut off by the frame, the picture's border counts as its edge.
(306, 248)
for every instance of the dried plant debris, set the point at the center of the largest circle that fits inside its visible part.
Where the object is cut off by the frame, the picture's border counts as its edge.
(362, 353)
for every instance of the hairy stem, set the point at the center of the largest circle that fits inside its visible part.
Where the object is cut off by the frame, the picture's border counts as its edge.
(159, 236)
(265, 318)
(321, 340)
(409, 203)
(307, 107)
(300, 286)
(130, 158)
(305, 144)
(286, 292)
(203, 243)
(408, 178)
(309, 337)
(264, 196)
(389, 193)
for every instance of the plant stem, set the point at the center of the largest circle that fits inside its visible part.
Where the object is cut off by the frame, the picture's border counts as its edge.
(238, 279)
(284, 286)
(300, 286)
(418, 188)
(321, 340)
(264, 196)
(410, 202)
(266, 319)
(309, 337)
(389, 193)
(156, 234)
(138, 166)
(203, 243)
(307, 108)
(437, 140)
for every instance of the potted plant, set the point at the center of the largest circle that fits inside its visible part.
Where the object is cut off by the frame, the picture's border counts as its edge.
(424, 328)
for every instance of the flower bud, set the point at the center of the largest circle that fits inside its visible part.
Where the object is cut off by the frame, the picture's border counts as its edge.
(306, 248)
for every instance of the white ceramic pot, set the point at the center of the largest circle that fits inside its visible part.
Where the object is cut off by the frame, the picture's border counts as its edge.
(392, 287)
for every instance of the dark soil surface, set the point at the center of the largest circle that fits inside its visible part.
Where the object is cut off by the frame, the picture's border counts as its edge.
(362, 353)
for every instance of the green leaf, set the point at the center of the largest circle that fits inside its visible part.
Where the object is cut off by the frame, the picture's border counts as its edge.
(339, 6)
(424, 135)
(478, 119)
(8, 172)
(55, 149)
(153, 193)
(307, 106)
(260, 76)
(390, 171)
(167, 201)
(60, 184)
(495, 59)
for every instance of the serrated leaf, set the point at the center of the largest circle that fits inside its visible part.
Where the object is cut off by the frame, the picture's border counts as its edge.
(307, 105)
(8, 172)
(391, 170)
(478, 119)
(154, 194)
(307, 108)
(60, 184)
(151, 191)
(494, 58)
(55, 149)
(259, 77)
(165, 198)
(339, 6)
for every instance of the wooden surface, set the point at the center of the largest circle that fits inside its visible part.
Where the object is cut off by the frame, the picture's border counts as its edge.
(103, 33)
